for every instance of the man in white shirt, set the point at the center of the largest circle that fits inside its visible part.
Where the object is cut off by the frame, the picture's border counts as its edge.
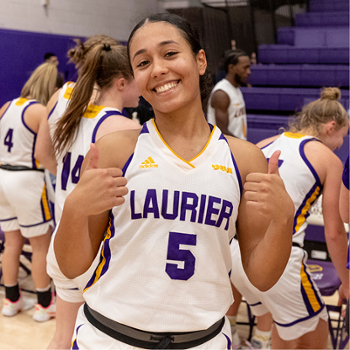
(226, 106)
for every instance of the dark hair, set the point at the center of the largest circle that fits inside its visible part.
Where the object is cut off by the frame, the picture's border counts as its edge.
(232, 57)
(325, 109)
(48, 55)
(189, 33)
(102, 64)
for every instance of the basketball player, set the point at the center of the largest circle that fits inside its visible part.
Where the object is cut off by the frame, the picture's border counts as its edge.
(162, 280)
(24, 209)
(308, 167)
(104, 79)
(226, 106)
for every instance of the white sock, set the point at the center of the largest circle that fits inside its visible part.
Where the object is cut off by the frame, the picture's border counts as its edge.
(233, 320)
(44, 289)
(262, 337)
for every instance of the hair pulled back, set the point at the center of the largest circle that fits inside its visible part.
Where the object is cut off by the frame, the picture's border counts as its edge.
(102, 64)
(77, 54)
(325, 109)
(41, 84)
(189, 33)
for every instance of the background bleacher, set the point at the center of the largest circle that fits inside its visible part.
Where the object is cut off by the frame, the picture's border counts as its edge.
(312, 54)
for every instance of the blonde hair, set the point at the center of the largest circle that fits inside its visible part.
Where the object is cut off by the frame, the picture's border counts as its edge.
(102, 64)
(78, 53)
(325, 109)
(41, 84)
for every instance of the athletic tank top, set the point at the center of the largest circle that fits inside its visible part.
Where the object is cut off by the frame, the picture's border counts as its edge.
(17, 143)
(70, 162)
(237, 115)
(300, 178)
(59, 108)
(165, 260)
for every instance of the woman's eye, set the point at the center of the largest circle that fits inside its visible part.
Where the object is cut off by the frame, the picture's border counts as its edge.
(142, 63)
(171, 53)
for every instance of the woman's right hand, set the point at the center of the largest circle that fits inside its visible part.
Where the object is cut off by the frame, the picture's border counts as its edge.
(98, 190)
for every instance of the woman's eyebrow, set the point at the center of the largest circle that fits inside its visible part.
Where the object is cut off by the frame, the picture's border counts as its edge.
(163, 43)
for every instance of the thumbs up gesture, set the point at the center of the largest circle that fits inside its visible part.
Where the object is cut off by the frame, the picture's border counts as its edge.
(266, 193)
(99, 189)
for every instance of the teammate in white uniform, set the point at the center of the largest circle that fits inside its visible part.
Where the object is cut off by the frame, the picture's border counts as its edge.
(164, 268)
(226, 106)
(295, 303)
(24, 209)
(114, 87)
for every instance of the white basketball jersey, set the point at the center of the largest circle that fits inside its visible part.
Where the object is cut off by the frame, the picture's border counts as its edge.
(70, 162)
(237, 115)
(17, 139)
(165, 260)
(300, 178)
(59, 108)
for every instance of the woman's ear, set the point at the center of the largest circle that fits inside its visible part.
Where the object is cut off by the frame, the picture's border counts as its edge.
(120, 83)
(201, 62)
(330, 126)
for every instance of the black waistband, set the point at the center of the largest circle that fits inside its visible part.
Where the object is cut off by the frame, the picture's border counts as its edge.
(295, 244)
(17, 168)
(147, 340)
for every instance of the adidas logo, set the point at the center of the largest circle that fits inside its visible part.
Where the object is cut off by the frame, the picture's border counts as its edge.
(148, 163)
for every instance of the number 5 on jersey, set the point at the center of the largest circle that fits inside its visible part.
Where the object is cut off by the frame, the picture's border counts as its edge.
(177, 254)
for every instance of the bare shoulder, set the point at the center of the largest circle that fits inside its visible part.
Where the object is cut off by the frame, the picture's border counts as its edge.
(4, 107)
(115, 148)
(116, 123)
(248, 156)
(324, 160)
(267, 141)
(220, 99)
(36, 109)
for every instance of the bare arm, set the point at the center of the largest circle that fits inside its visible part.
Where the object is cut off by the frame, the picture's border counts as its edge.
(265, 219)
(335, 234)
(344, 203)
(85, 214)
(4, 108)
(220, 102)
(44, 148)
(344, 194)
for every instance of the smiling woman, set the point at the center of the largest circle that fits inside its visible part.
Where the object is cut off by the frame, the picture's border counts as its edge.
(165, 213)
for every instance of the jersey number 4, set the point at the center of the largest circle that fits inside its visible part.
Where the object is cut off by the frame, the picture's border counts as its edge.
(180, 255)
(66, 171)
(8, 140)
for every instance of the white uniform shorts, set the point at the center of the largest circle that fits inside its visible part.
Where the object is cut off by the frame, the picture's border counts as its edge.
(69, 290)
(23, 203)
(86, 336)
(294, 301)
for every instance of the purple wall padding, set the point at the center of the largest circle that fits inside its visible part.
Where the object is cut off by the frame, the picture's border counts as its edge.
(22, 52)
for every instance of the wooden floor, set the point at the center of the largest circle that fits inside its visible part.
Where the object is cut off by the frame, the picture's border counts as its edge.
(22, 332)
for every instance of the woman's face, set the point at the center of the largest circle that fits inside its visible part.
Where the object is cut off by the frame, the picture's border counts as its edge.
(131, 94)
(165, 68)
(334, 138)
